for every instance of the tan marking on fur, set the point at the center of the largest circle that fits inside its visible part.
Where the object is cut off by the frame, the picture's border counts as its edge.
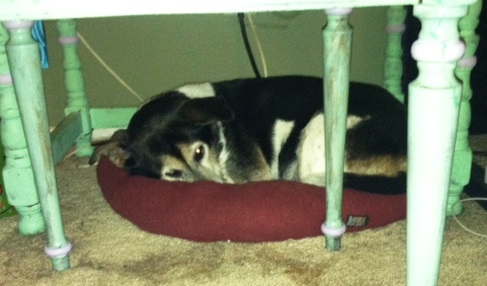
(209, 167)
(223, 156)
(262, 171)
(185, 151)
(172, 163)
(188, 150)
(388, 166)
(353, 120)
(112, 150)
(258, 170)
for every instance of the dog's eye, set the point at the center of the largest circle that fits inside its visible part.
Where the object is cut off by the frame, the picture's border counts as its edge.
(174, 173)
(199, 153)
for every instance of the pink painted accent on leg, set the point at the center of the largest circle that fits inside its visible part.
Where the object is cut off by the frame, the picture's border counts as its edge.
(58, 252)
(5, 79)
(467, 62)
(395, 28)
(68, 40)
(333, 232)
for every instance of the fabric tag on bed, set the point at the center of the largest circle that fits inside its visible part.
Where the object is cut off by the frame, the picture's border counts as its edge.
(357, 221)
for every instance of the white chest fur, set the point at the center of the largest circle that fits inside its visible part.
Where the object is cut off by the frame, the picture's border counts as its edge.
(311, 166)
(281, 132)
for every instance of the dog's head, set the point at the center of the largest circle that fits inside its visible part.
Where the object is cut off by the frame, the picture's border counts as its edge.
(175, 138)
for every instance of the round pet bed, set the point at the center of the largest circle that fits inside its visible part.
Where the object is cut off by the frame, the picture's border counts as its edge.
(252, 212)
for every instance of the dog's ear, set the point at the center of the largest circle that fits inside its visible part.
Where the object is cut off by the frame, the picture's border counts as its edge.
(206, 110)
(113, 149)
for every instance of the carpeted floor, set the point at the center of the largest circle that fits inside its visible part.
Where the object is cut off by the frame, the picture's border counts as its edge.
(111, 251)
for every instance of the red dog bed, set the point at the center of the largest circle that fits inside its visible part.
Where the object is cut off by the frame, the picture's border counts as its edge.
(252, 212)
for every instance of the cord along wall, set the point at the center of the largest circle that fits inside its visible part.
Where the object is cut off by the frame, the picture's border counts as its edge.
(157, 53)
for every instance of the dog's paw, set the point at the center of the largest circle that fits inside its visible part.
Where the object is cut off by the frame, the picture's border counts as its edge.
(111, 149)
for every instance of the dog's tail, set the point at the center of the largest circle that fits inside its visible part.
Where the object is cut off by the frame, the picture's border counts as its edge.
(376, 184)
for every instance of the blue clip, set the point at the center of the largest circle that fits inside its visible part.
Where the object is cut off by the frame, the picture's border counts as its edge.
(39, 35)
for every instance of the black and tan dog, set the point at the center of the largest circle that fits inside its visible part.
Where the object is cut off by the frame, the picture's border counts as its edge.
(262, 129)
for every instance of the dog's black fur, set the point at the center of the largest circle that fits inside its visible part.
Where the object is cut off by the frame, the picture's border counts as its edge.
(234, 125)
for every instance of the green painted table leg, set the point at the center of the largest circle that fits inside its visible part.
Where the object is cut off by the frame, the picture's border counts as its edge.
(6, 209)
(337, 37)
(74, 82)
(393, 62)
(17, 174)
(24, 60)
(462, 158)
(434, 103)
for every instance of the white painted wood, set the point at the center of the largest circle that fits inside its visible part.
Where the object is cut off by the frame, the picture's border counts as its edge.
(59, 9)
(337, 49)
(434, 103)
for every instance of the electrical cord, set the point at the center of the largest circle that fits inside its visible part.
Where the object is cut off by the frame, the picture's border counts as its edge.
(243, 30)
(108, 68)
(258, 44)
(461, 224)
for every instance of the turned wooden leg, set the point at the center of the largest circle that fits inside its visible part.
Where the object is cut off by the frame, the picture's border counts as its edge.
(393, 67)
(74, 83)
(17, 174)
(462, 158)
(434, 103)
(24, 61)
(337, 37)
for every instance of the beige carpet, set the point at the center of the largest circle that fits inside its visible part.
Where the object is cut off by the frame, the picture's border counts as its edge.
(111, 251)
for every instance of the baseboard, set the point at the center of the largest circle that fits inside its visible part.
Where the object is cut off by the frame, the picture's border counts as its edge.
(101, 135)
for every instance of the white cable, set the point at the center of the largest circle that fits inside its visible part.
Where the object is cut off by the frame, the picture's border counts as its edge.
(461, 224)
(259, 45)
(108, 68)
(72, 153)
